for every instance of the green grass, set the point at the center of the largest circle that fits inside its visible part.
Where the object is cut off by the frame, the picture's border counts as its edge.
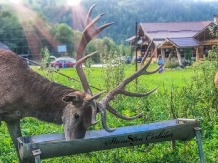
(185, 152)
(177, 78)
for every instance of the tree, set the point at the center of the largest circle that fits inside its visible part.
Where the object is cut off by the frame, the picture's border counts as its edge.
(11, 32)
(111, 46)
(64, 34)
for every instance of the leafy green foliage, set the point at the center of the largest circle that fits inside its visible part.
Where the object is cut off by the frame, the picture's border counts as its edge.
(171, 64)
(113, 69)
(10, 29)
(88, 62)
(64, 34)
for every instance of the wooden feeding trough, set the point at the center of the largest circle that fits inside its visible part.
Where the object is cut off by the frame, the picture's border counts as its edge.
(34, 148)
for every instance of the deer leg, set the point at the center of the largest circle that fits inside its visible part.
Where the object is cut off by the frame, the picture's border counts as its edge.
(15, 132)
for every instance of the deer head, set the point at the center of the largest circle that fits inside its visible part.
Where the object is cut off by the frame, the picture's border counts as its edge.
(85, 107)
(77, 114)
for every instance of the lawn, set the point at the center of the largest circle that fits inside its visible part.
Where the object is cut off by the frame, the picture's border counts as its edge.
(177, 78)
(155, 107)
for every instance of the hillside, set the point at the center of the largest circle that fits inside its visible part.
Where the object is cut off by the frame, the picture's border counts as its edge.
(124, 13)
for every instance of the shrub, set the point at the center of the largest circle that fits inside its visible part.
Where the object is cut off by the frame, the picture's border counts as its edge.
(88, 62)
(171, 64)
(113, 70)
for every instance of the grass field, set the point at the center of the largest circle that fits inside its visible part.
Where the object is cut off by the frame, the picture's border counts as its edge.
(156, 108)
(169, 77)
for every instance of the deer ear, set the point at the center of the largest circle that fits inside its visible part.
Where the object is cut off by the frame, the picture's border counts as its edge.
(72, 97)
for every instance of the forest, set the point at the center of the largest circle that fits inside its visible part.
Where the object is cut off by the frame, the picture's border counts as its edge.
(124, 14)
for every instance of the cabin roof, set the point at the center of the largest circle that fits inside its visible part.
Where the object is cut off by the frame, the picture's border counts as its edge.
(181, 42)
(173, 29)
(212, 24)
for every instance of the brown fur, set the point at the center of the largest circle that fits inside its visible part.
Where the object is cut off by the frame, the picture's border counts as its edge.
(23, 89)
(25, 93)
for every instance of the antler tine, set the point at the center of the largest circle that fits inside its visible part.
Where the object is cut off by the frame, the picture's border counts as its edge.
(114, 112)
(88, 34)
(104, 26)
(146, 53)
(146, 66)
(141, 71)
(83, 59)
(117, 114)
(103, 121)
(94, 97)
(89, 15)
(94, 107)
(126, 93)
(103, 104)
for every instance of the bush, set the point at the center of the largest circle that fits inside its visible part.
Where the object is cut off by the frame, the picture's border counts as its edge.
(171, 64)
(113, 70)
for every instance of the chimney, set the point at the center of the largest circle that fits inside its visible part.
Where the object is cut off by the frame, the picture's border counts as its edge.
(215, 18)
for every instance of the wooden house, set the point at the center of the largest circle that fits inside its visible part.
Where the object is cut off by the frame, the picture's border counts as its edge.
(185, 40)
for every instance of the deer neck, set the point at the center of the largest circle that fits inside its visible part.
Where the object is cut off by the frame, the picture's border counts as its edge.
(51, 106)
(46, 102)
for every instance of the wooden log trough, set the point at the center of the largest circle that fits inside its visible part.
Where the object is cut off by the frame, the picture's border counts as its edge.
(35, 148)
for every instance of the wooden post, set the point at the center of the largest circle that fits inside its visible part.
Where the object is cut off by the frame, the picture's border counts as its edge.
(179, 56)
(162, 53)
(136, 63)
(199, 52)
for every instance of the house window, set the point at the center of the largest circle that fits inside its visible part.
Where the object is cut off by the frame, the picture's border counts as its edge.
(167, 52)
(193, 52)
(181, 51)
(206, 49)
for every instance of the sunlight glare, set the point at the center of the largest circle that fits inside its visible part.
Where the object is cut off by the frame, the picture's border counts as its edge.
(73, 2)
(15, 1)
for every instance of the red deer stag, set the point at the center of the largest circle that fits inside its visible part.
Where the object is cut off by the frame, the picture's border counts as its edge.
(24, 93)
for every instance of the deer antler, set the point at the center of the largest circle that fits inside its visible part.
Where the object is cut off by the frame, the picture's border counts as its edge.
(88, 34)
(103, 105)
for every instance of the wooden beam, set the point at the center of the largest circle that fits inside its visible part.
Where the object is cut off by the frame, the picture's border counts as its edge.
(199, 52)
(162, 53)
(210, 42)
(166, 47)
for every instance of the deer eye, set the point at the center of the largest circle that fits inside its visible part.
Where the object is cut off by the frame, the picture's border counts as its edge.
(76, 116)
